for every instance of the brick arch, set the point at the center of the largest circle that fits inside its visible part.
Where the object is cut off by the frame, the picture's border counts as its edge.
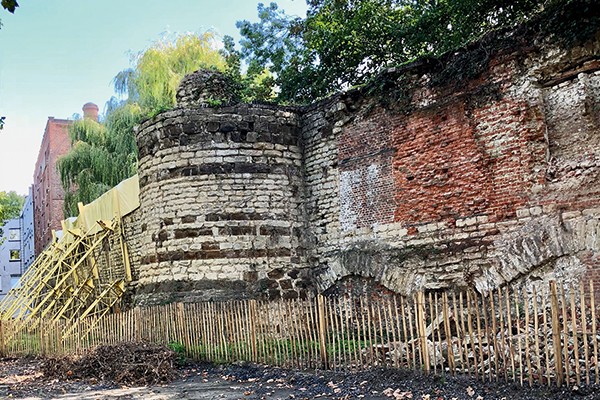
(548, 247)
(398, 270)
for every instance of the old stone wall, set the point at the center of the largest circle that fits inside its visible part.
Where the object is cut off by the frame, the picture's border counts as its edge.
(435, 181)
(489, 182)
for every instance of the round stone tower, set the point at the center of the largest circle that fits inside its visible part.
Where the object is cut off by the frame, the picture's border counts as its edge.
(220, 194)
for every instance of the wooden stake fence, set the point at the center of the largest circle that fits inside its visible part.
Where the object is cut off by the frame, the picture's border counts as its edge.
(547, 336)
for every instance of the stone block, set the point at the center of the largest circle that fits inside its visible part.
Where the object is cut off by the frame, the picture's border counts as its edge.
(535, 211)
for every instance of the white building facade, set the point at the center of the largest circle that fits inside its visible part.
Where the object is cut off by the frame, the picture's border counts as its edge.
(10, 255)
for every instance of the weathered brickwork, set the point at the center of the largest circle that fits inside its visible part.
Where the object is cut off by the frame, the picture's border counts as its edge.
(366, 185)
(491, 184)
(452, 162)
(479, 183)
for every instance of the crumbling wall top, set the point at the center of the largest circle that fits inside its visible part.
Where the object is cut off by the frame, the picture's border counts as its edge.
(204, 88)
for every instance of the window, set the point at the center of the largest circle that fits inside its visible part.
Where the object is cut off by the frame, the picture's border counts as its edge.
(14, 234)
(14, 281)
(15, 255)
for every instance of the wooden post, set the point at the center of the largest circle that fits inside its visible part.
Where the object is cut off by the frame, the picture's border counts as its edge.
(322, 331)
(556, 333)
(314, 337)
(370, 332)
(411, 331)
(527, 352)
(583, 316)
(296, 344)
(339, 327)
(422, 330)
(546, 340)
(594, 335)
(536, 331)
(565, 331)
(432, 319)
(276, 336)
(260, 336)
(223, 331)
(471, 334)
(395, 327)
(353, 359)
(509, 333)
(503, 338)
(381, 336)
(475, 300)
(335, 347)
(253, 321)
(519, 347)
(284, 337)
(439, 331)
(448, 332)
(575, 341)
(463, 331)
(404, 331)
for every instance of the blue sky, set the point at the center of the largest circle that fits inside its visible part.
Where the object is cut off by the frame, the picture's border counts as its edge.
(56, 55)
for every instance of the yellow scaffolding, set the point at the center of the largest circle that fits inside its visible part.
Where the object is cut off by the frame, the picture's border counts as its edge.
(82, 274)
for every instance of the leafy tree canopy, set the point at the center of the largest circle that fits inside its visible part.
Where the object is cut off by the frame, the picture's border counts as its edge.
(103, 154)
(10, 5)
(152, 81)
(10, 205)
(341, 43)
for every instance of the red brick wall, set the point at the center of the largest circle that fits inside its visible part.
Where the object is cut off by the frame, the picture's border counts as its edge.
(48, 194)
(444, 162)
(447, 166)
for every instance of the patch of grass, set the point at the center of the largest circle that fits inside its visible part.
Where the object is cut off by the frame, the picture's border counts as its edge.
(179, 349)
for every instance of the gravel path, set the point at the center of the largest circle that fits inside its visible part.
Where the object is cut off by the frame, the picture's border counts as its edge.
(21, 379)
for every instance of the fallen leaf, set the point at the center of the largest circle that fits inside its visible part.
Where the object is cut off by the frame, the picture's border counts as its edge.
(470, 391)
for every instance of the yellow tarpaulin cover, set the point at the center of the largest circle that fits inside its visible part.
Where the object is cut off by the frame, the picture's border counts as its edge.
(117, 202)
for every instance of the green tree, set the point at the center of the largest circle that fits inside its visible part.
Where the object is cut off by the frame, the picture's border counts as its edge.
(152, 82)
(10, 5)
(343, 43)
(276, 43)
(10, 205)
(103, 154)
(257, 84)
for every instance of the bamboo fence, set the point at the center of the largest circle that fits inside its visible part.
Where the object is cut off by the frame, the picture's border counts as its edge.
(548, 338)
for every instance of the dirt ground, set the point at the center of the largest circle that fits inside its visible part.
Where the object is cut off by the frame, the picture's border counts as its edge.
(22, 379)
